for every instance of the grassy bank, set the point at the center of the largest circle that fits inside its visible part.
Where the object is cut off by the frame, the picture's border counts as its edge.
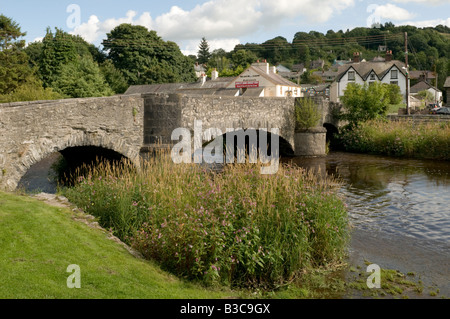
(401, 139)
(236, 228)
(39, 242)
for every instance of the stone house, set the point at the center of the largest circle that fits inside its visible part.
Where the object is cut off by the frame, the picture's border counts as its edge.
(260, 79)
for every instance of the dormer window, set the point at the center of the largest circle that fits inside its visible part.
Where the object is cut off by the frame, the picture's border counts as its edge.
(372, 77)
(351, 75)
(394, 74)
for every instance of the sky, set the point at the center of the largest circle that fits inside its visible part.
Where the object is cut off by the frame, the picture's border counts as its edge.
(224, 23)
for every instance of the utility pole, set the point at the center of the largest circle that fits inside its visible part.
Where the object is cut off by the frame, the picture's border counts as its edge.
(407, 74)
(435, 85)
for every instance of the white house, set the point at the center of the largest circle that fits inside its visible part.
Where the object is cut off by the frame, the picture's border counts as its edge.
(260, 79)
(425, 86)
(382, 70)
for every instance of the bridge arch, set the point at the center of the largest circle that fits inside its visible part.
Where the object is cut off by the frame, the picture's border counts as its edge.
(33, 153)
(285, 147)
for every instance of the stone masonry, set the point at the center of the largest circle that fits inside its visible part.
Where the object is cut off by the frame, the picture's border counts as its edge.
(131, 125)
(31, 131)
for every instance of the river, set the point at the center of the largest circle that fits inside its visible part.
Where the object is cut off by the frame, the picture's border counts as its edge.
(399, 210)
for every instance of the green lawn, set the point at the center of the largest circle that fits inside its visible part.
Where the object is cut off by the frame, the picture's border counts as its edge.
(38, 242)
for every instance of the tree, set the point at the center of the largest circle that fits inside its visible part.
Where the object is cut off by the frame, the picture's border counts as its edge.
(81, 78)
(144, 58)
(14, 66)
(203, 54)
(366, 102)
(243, 58)
(114, 77)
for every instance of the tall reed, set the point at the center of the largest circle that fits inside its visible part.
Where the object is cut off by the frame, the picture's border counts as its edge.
(233, 227)
(430, 140)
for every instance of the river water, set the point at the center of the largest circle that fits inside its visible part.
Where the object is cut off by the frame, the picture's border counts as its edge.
(399, 210)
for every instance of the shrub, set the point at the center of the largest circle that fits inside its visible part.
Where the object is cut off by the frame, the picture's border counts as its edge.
(307, 114)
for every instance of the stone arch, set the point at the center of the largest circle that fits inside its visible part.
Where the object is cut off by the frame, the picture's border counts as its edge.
(331, 130)
(286, 147)
(36, 152)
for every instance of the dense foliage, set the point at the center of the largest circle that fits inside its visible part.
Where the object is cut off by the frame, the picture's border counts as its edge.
(144, 58)
(367, 102)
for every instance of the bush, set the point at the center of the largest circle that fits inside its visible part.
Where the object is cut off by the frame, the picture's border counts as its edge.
(236, 227)
(307, 114)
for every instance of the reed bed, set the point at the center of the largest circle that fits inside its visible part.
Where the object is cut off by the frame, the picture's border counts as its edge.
(430, 140)
(235, 227)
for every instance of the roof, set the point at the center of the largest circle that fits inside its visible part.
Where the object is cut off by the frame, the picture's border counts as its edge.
(273, 77)
(421, 86)
(282, 68)
(253, 92)
(364, 69)
(447, 82)
(415, 74)
(209, 87)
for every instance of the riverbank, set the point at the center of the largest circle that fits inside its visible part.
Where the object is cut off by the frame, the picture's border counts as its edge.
(39, 242)
(406, 138)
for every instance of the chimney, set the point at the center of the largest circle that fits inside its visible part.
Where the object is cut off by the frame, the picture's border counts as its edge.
(274, 69)
(263, 66)
(388, 56)
(214, 74)
(356, 57)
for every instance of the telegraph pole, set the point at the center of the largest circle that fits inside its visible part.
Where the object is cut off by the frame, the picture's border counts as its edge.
(407, 74)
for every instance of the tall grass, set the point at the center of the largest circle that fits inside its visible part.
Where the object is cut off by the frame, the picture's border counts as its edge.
(235, 227)
(429, 140)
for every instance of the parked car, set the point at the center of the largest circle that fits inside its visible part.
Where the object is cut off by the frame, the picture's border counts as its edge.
(434, 110)
(443, 110)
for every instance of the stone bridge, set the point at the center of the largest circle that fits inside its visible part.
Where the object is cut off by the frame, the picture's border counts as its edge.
(129, 125)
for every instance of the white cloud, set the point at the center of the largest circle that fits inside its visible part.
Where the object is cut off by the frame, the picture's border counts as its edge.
(218, 20)
(191, 46)
(392, 12)
(94, 29)
(428, 2)
(428, 23)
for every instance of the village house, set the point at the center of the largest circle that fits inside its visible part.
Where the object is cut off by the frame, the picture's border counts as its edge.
(258, 80)
(384, 70)
(425, 86)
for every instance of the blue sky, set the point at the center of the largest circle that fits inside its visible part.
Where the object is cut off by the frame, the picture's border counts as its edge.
(224, 23)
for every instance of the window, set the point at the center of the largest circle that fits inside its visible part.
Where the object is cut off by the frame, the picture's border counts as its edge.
(372, 77)
(394, 74)
(351, 75)
(394, 82)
